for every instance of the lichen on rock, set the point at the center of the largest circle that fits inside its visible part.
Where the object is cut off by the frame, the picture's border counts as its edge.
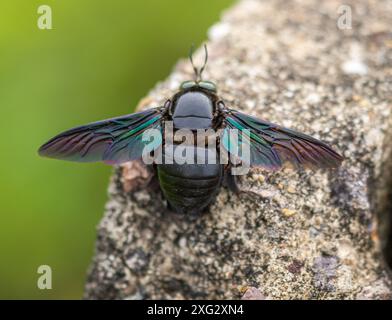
(289, 234)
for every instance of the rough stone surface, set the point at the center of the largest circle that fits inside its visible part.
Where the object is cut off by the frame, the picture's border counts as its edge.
(290, 234)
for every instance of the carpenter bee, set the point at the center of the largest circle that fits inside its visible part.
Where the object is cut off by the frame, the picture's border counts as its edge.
(191, 186)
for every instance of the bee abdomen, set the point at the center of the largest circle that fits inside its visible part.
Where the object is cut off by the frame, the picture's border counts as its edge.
(190, 188)
(188, 194)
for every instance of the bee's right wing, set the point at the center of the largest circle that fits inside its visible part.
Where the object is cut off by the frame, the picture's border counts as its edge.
(113, 140)
(270, 145)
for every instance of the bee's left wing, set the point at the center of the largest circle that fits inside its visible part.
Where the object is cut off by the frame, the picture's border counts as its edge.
(113, 140)
(271, 145)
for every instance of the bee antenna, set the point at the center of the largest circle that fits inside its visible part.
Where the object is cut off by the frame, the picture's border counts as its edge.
(191, 59)
(197, 71)
(205, 61)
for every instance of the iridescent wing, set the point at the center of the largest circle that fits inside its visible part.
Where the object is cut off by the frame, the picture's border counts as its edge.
(271, 145)
(113, 140)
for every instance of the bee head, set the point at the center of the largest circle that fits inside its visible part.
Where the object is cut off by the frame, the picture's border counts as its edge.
(198, 82)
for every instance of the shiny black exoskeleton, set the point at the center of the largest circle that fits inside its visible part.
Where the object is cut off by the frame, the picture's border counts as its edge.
(190, 188)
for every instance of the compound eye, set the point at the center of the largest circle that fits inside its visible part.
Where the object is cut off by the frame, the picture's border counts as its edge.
(187, 85)
(208, 85)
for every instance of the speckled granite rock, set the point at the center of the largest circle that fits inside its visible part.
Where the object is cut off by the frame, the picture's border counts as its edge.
(289, 235)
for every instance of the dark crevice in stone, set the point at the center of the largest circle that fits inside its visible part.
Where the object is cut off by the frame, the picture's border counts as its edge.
(380, 195)
(387, 250)
(385, 224)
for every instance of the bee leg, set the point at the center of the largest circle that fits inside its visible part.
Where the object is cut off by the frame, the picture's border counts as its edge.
(153, 184)
(170, 208)
(232, 182)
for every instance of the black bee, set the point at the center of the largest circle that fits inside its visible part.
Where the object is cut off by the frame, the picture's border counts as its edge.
(191, 186)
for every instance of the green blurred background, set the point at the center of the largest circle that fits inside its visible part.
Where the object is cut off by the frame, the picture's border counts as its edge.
(100, 58)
